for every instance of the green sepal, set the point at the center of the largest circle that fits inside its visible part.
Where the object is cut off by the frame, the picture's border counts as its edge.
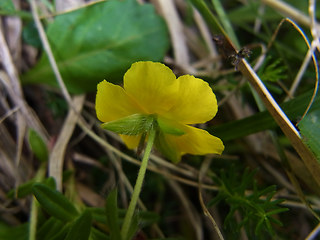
(168, 150)
(170, 127)
(132, 125)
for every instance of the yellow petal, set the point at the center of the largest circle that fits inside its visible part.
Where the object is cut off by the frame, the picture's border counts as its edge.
(153, 85)
(196, 141)
(196, 103)
(131, 142)
(113, 103)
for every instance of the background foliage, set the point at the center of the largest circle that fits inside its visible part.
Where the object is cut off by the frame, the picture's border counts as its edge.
(258, 189)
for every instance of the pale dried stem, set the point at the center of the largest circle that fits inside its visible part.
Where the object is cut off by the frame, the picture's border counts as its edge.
(14, 90)
(205, 32)
(204, 168)
(8, 114)
(288, 11)
(190, 211)
(300, 74)
(47, 48)
(315, 232)
(178, 40)
(57, 154)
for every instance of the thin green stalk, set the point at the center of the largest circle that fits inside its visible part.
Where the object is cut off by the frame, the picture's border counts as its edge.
(211, 19)
(35, 205)
(225, 22)
(138, 186)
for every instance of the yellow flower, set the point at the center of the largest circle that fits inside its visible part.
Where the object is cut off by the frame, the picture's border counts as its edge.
(152, 91)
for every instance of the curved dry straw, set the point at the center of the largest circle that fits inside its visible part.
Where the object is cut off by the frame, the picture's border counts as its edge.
(304, 64)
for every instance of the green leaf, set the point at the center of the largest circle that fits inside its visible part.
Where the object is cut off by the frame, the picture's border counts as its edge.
(273, 70)
(170, 127)
(55, 203)
(30, 35)
(23, 190)
(37, 145)
(98, 215)
(81, 227)
(95, 234)
(52, 228)
(60, 234)
(134, 227)
(99, 42)
(132, 125)
(50, 182)
(7, 6)
(14, 233)
(26, 188)
(310, 130)
(112, 215)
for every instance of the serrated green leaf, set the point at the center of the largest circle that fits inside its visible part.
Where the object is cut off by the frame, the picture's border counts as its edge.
(37, 145)
(55, 203)
(99, 42)
(81, 227)
(132, 125)
(276, 211)
(310, 130)
(112, 215)
(272, 70)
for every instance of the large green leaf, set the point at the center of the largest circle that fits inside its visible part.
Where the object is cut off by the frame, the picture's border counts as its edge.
(7, 6)
(99, 42)
(310, 130)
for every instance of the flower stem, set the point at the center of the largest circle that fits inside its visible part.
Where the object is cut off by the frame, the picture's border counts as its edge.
(137, 187)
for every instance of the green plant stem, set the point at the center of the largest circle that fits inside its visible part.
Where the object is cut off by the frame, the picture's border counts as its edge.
(225, 22)
(138, 185)
(211, 19)
(35, 205)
